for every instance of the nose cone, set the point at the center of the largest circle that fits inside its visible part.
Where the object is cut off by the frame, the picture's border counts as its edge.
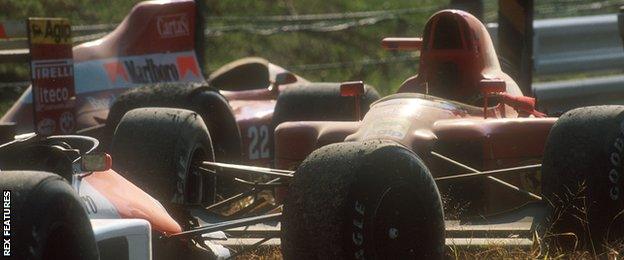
(132, 202)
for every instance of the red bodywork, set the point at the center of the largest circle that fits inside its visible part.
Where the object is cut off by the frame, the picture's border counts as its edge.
(127, 57)
(253, 110)
(457, 53)
(153, 44)
(442, 122)
(125, 200)
(52, 76)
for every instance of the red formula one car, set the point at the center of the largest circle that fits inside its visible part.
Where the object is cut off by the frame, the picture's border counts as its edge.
(149, 60)
(450, 159)
(458, 147)
(152, 55)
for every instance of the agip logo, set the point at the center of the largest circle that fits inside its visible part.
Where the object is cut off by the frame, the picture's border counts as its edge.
(49, 31)
(174, 25)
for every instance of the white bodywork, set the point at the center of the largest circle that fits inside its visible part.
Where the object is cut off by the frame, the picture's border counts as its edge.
(107, 223)
(137, 233)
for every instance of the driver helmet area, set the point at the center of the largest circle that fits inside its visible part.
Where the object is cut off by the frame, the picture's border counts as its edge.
(457, 54)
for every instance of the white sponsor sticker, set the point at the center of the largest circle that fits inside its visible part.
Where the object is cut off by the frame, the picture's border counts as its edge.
(389, 127)
(46, 126)
(67, 122)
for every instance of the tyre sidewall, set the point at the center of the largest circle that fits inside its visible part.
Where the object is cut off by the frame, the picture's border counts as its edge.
(399, 166)
(51, 205)
(332, 186)
(154, 149)
(582, 175)
(189, 141)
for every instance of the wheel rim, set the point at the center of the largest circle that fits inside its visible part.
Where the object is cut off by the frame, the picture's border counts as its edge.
(396, 231)
(194, 187)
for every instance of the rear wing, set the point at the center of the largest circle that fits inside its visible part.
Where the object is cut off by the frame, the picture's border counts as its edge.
(49, 53)
(156, 42)
(14, 46)
(14, 33)
(13, 43)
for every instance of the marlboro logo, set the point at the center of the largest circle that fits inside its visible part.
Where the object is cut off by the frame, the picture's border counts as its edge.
(151, 72)
(174, 25)
(143, 71)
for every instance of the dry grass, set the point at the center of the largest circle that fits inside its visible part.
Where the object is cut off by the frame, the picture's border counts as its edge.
(495, 251)
(490, 252)
(263, 253)
(500, 252)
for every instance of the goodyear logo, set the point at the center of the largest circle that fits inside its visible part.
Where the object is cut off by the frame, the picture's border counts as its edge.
(49, 31)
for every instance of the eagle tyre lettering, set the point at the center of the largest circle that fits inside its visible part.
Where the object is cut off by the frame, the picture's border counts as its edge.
(615, 158)
(259, 140)
(378, 201)
(358, 229)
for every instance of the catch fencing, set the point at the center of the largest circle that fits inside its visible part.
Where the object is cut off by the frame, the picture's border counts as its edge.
(572, 46)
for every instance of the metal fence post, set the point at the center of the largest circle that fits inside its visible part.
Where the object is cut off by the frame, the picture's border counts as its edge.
(621, 23)
(515, 41)
(200, 37)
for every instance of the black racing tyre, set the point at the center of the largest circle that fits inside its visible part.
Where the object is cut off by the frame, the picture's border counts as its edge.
(366, 200)
(48, 219)
(158, 150)
(209, 104)
(319, 102)
(582, 177)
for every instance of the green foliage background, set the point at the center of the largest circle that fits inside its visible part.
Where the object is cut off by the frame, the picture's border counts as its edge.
(290, 50)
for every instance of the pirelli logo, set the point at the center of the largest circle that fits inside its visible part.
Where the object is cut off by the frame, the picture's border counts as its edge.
(49, 31)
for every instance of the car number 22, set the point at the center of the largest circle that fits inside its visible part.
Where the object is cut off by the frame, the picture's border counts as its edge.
(259, 142)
